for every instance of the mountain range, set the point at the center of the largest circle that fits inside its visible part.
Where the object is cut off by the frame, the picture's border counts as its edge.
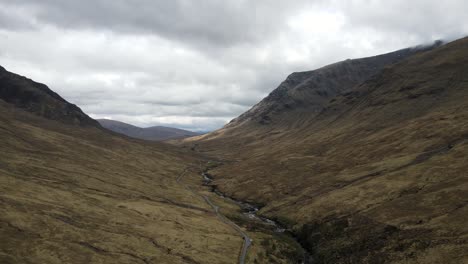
(360, 161)
(157, 133)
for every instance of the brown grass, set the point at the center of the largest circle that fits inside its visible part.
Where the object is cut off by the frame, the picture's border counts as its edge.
(79, 195)
(380, 175)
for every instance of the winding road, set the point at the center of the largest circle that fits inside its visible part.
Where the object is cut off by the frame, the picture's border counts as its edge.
(224, 219)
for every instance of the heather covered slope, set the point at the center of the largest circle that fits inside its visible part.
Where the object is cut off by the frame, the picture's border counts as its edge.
(155, 133)
(379, 174)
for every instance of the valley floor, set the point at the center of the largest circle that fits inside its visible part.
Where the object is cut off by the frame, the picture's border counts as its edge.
(79, 195)
(73, 195)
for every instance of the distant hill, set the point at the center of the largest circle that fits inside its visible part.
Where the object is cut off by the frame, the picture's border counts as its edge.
(37, 98)
(156, 133)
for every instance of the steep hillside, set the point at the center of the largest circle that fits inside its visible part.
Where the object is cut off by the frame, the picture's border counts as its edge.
(156, 133)
(40, 100)
(377, 174)
(298, 99)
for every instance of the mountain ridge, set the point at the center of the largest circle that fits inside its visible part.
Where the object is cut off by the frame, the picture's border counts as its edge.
(156, 133)
(39, 99)
(325, 83)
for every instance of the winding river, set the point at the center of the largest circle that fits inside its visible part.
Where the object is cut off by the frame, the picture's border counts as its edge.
(251, 212)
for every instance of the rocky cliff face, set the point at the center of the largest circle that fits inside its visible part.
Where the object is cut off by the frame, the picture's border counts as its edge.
(39, 99)
(309, 91)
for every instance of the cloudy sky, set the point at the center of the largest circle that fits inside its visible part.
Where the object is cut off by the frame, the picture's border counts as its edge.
(196, 64)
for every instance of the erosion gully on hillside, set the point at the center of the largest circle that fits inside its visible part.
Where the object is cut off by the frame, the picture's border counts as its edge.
(248, 210)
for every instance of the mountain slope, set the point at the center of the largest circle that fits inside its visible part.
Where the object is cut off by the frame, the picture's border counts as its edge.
(40, 100)
(73, 192)
(302, 96)
(378, 174)
(157, 133)
(70, 192)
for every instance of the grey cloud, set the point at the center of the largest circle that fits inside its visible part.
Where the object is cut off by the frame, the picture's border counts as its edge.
(206, 22)
(11, 21)
(205, 110)
(198, 64)
(421, 19)
(15, 17)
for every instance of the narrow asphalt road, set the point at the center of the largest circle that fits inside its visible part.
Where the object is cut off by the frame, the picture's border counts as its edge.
(224, 219)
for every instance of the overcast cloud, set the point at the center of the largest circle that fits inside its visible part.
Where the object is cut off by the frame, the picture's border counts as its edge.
(196, 64)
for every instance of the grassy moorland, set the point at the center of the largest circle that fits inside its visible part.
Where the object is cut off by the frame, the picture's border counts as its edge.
(377, 174)
(71, 194)
(74, 192)
(374, 172)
